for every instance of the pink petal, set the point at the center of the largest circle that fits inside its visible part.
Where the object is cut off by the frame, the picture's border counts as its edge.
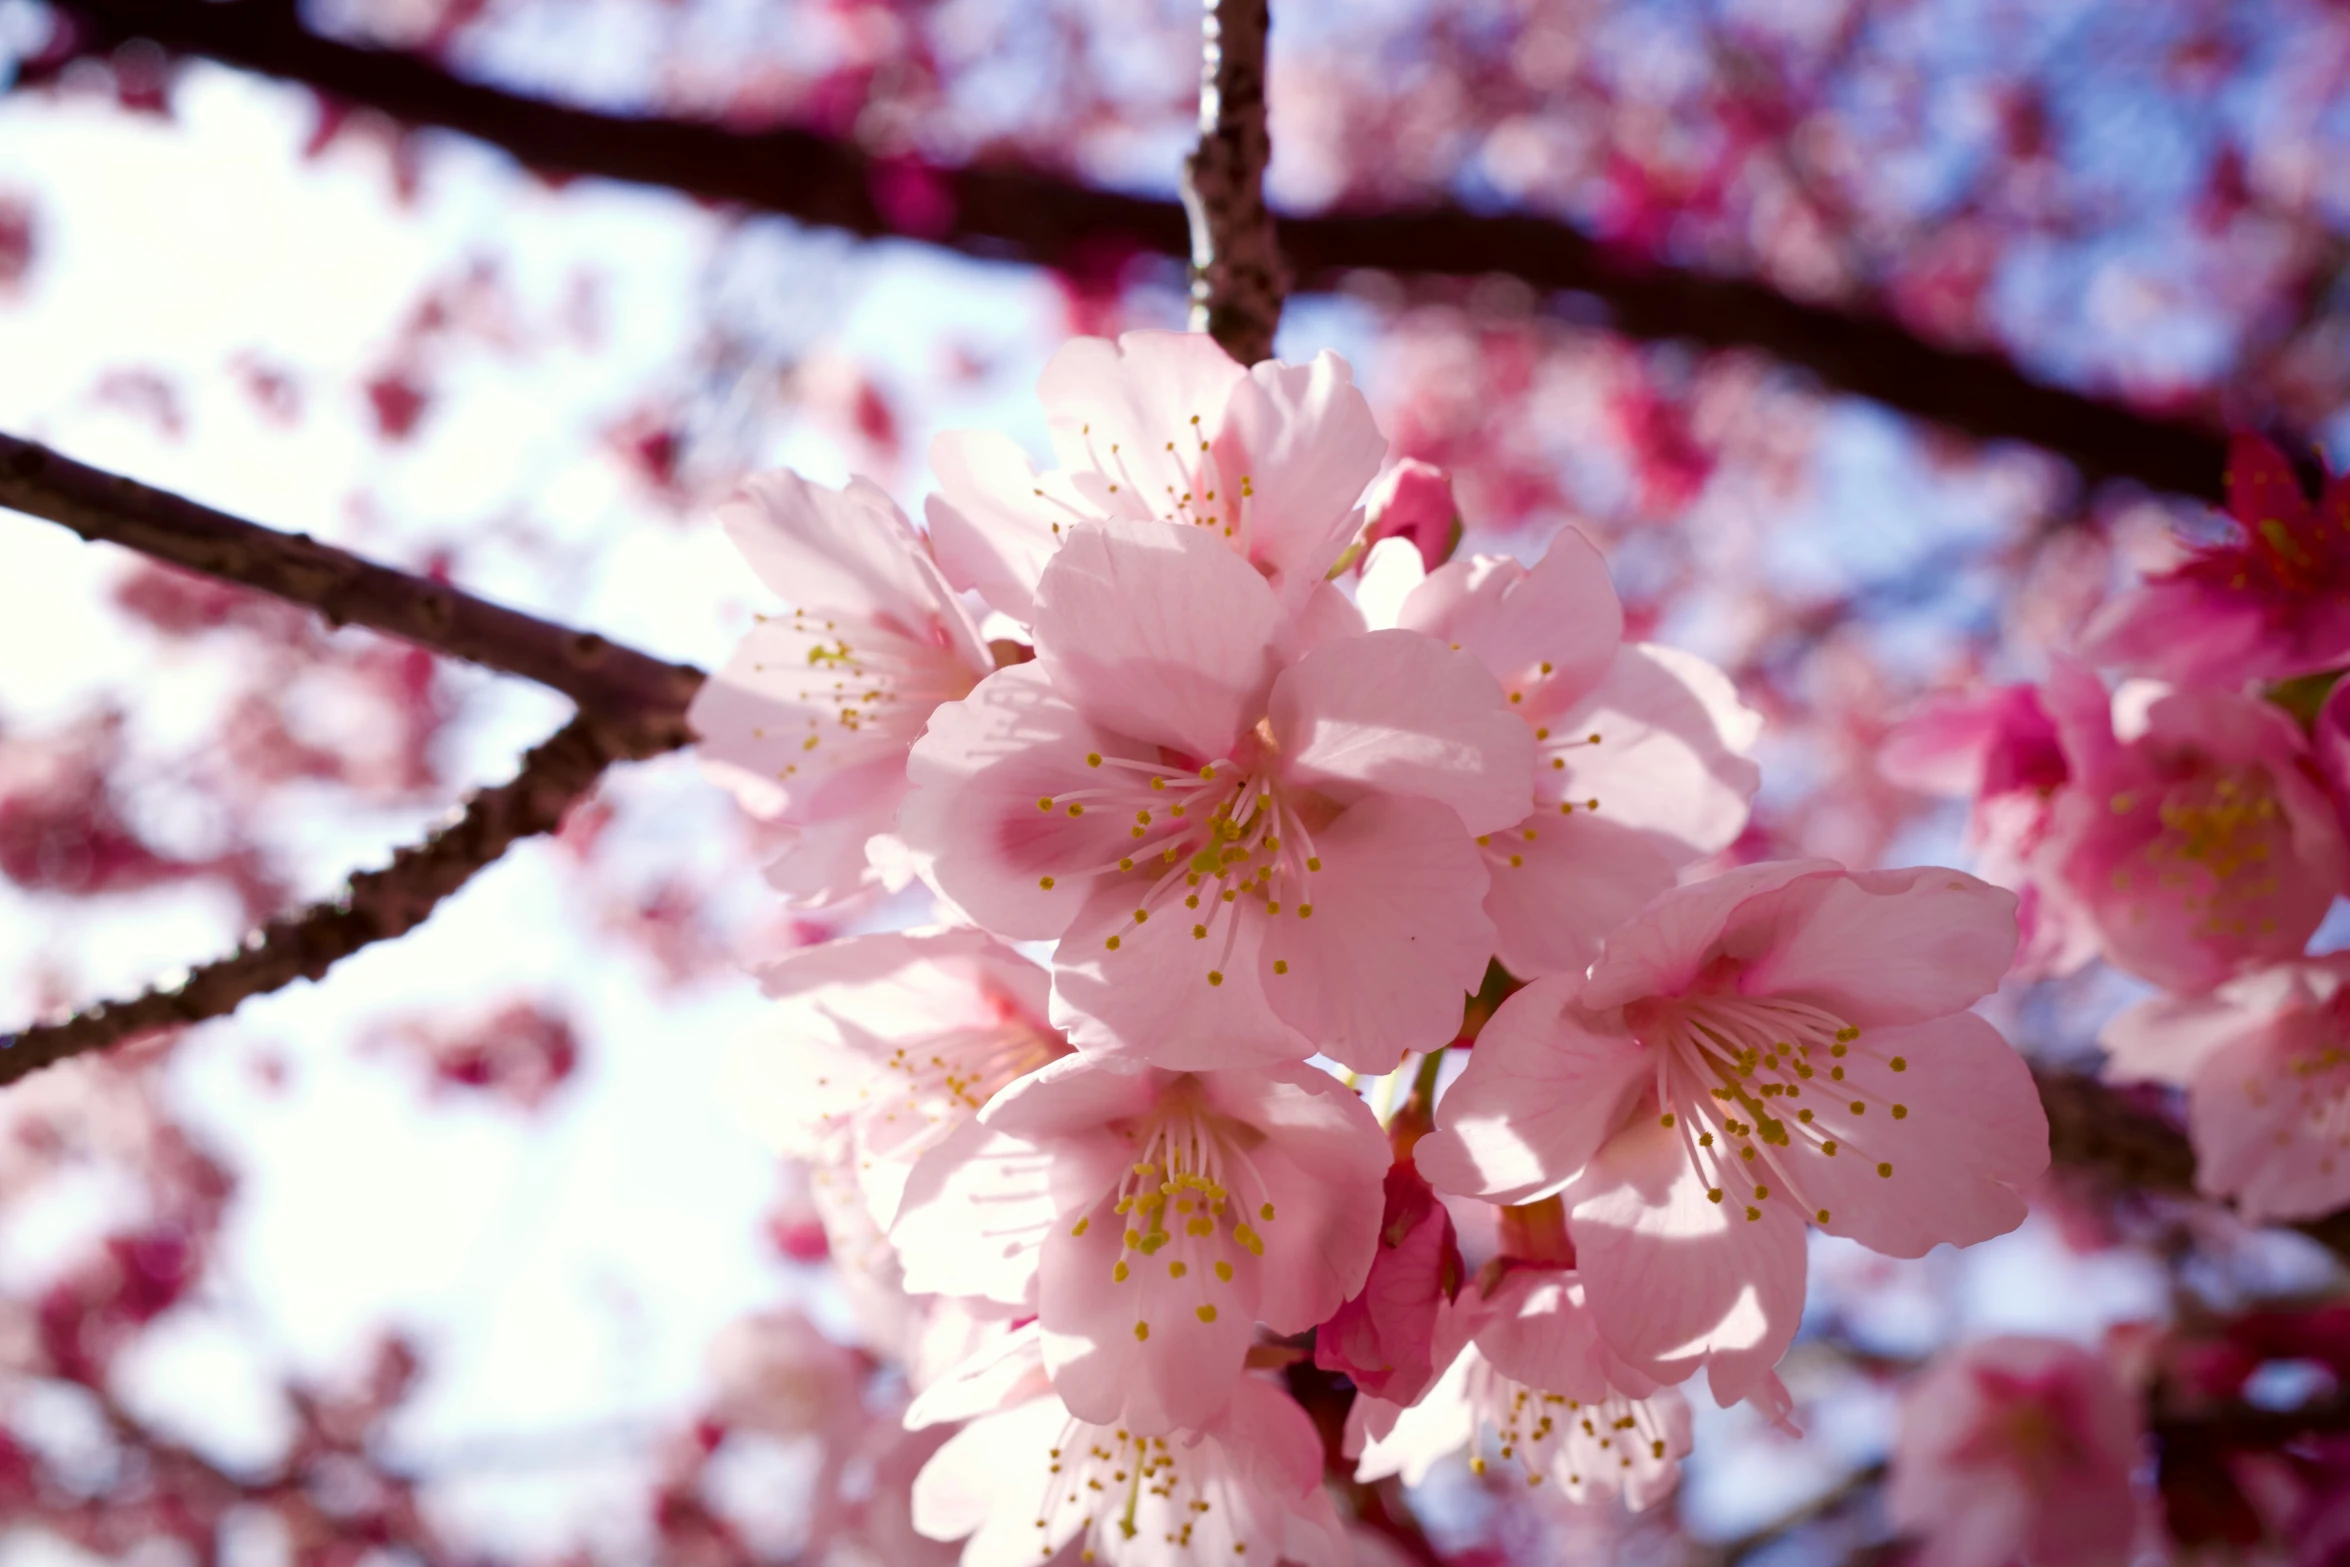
(2181, 628)
(974, 1211)
(990, 526)
(1157, 632)
(1115, 408)
(1543, 1333)
(1669, 759)
(1394, 712)
(917, 981)
(1321, 1165)
(1270, 1439)
(1548, 631)
(773, 729)
(1300, 444)
(1395, 937)
(1882, 947)
(1560, 884)
(1326, 615)
(1969, 1137)
(1545, 1087)
(1677, 1281)
(971, 818)
(827, 864)
(1166, 994)
(962, 1489)
(1071, 1097)
(1667, 945)
(839, 552)
(2166, 1039)
(1135, 1349)
(1392, 570)
(1383, 1339)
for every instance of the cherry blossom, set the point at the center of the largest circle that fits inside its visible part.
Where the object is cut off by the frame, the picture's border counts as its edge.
(2269, 604)
(2197, 834)
(1531, 1383)
(809, 722)
(1640, 764)
(1247, 855)
(2000, 748)
(2017, 1449)
(1166, 427)
(1152, 1219)
(1027, 1478)
(893, 1041)
(2265, 1060)
(1781, 1046)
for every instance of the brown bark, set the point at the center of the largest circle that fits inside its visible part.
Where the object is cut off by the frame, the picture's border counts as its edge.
(637, 697)
(630, 705)
(2097, 1131)
(1020, 214)
(1237, 282)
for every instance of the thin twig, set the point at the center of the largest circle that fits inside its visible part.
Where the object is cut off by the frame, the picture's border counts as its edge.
(1237, 282)
(630, 705)
(641, 700)
(375, 906)
(1021, 214)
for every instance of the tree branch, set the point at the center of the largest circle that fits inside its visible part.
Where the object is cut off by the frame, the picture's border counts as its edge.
(375, 906)
(2094, 1129)
(638, 699)
(1019, 214)
(630, 705)
(1236, 278)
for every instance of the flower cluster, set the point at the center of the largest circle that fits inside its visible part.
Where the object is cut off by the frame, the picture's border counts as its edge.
(1283, 786)
(2189, 827)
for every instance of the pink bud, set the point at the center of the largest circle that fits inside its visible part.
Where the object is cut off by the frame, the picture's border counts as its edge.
(1384, 1338)
(1413, 499)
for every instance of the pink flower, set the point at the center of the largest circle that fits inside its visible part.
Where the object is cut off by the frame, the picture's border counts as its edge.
(2269, 605)
(1640, 764)
(1154, 1218)
(1165, 427)
(1413, 501)
(810, 720)
(2265, 1060)
(894, 1041)
(1247, 854)
(1383, 1339)
(2017, 1449)
(777, 1373)
(1999, 746)
(2196, 834)
(1027, 1478)
(1781, 1046)
(1530, 1379)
